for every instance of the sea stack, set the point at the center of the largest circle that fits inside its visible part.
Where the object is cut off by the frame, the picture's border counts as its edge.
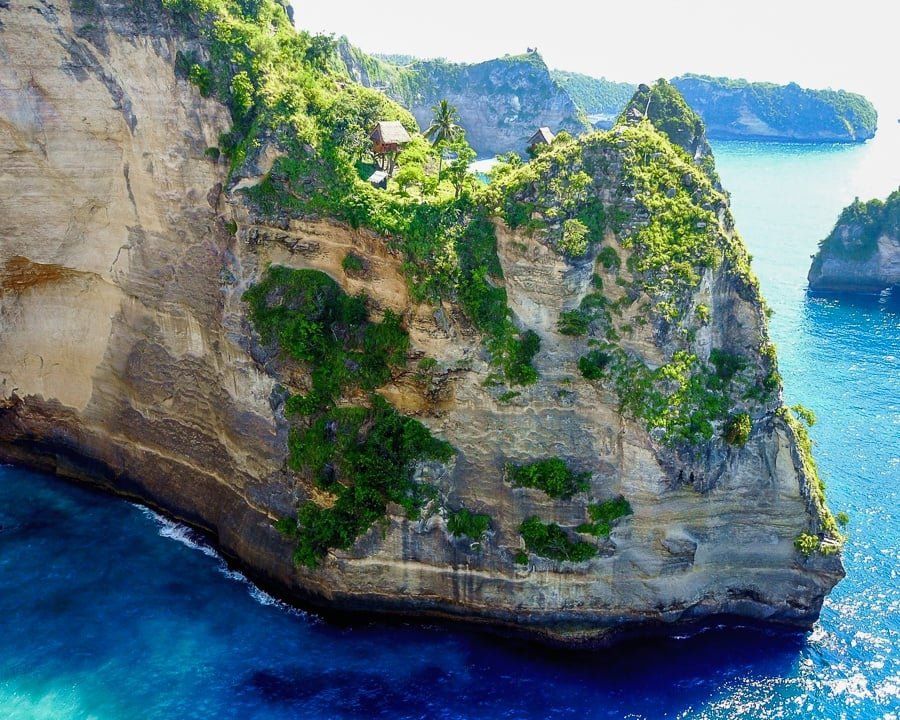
(550, 405)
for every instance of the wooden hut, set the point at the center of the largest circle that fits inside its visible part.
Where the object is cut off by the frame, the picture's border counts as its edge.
(388, 139)
(543, 136)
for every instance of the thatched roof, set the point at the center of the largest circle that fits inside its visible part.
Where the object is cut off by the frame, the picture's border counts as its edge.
(390, 132)
(542, 136)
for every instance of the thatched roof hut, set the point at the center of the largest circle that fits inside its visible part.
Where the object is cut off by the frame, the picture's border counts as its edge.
(389, 136)
(543, 136)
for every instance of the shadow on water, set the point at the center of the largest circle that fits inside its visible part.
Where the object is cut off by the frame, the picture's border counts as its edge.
(480, 674)
(885, 300)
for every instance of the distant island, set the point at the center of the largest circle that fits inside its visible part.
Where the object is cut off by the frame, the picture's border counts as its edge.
(502, 102)
(737, 109)
(862, 253)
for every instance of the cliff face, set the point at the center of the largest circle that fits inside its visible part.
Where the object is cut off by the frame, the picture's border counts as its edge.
(736, 109)
(501, 102)
(128, 360)
(862, 253)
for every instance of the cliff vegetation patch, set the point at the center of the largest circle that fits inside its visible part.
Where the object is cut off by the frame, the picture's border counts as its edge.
(551, 475)
(464, 522)
(549, 540)
(362, 458)
(315, 321)
(603, 515)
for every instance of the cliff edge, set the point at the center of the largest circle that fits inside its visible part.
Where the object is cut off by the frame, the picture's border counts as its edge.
(550, 405)
(862, 252)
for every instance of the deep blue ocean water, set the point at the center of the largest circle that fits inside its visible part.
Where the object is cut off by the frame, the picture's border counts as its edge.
(110, 612)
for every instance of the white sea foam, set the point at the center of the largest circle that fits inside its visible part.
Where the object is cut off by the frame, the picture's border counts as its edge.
(192, 539)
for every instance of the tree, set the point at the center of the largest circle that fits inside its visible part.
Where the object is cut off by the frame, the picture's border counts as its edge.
(574, 241)
(444, 127)
(409, 176)
(458, 169)
(320, 49)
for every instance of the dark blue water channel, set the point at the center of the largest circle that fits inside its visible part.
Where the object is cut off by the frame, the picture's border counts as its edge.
(110, 612)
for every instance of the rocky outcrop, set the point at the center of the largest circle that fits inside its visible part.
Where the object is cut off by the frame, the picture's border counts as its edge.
(127, 360)
(737, 109)
(665, 107)
(501, 102)
(862, 253)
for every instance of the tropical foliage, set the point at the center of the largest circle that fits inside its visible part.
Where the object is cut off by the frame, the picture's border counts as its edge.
(552, 476)
(549, 540)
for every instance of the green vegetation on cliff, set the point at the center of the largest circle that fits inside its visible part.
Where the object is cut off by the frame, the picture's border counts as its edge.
(666, 108)
(464, 522)
(855, 235)
(737, 108)
(552, 476)
(596, 96)
(664, 217)
(361, 457)
(549, 540)
(798, 419)
(603, 515)
(683, 399)
(313, 320)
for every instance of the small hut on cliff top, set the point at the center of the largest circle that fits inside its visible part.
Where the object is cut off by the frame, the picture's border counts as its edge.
(389, 136)
(543, 136)
(388, 139)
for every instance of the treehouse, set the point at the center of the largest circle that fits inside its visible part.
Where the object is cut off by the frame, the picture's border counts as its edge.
(388, 139)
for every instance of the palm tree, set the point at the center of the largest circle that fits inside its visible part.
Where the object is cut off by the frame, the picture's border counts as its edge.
(444, 127)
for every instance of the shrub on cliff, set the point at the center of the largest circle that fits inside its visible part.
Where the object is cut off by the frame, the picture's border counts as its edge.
(465, 522)
(549, 540)
(603, 515)
(737, 429)
(552, 476)
(363, 458)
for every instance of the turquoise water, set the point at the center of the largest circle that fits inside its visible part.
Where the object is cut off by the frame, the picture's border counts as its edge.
(111, 612)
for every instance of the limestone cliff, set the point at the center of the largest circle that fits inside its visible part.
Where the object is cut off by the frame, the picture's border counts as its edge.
(128, 359)
(501, 102)
(737, 109)
(862, 252)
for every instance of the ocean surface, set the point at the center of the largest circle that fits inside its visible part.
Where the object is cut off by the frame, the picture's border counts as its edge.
(108, 611)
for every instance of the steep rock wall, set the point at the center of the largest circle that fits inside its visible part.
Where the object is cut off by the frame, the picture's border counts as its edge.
(737, 109)
(862, 252)
(127, 360)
